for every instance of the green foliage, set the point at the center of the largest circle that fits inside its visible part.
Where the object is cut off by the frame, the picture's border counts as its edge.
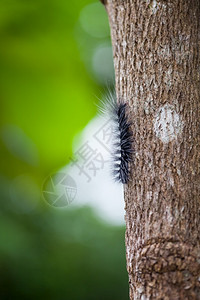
(45, 89)
(60, 254)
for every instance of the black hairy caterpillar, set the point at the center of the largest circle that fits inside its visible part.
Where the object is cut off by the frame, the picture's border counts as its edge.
(122, 152)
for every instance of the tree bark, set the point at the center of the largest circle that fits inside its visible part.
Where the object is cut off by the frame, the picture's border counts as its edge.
(156, 57)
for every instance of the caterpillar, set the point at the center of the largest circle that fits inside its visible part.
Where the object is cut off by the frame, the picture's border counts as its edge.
(122, 142)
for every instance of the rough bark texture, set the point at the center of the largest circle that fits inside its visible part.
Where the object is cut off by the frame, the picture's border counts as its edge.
(156, 57)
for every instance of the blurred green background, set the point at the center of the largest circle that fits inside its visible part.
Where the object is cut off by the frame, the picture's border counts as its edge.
(55, 55)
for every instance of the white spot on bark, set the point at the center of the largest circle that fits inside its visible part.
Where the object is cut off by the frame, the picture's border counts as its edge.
(167, 123)
(169, 215)
(124, 44)
(148, 105)
(137, 154)
(140, 290)
(182, 215)
(154, 6)
(149, 195)
(171, 181)
(168, 77)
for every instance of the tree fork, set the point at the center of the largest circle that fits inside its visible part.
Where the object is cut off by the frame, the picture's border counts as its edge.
(156, 57)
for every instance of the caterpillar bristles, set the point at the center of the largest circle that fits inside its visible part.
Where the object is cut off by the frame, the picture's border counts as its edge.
(122, 153)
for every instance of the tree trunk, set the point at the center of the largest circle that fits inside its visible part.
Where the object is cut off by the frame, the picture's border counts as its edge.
(156, 57)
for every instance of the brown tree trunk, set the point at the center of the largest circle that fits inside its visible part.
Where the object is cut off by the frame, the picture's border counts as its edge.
(156, 58)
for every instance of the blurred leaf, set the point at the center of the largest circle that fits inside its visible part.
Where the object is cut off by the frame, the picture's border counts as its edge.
(45, 90)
